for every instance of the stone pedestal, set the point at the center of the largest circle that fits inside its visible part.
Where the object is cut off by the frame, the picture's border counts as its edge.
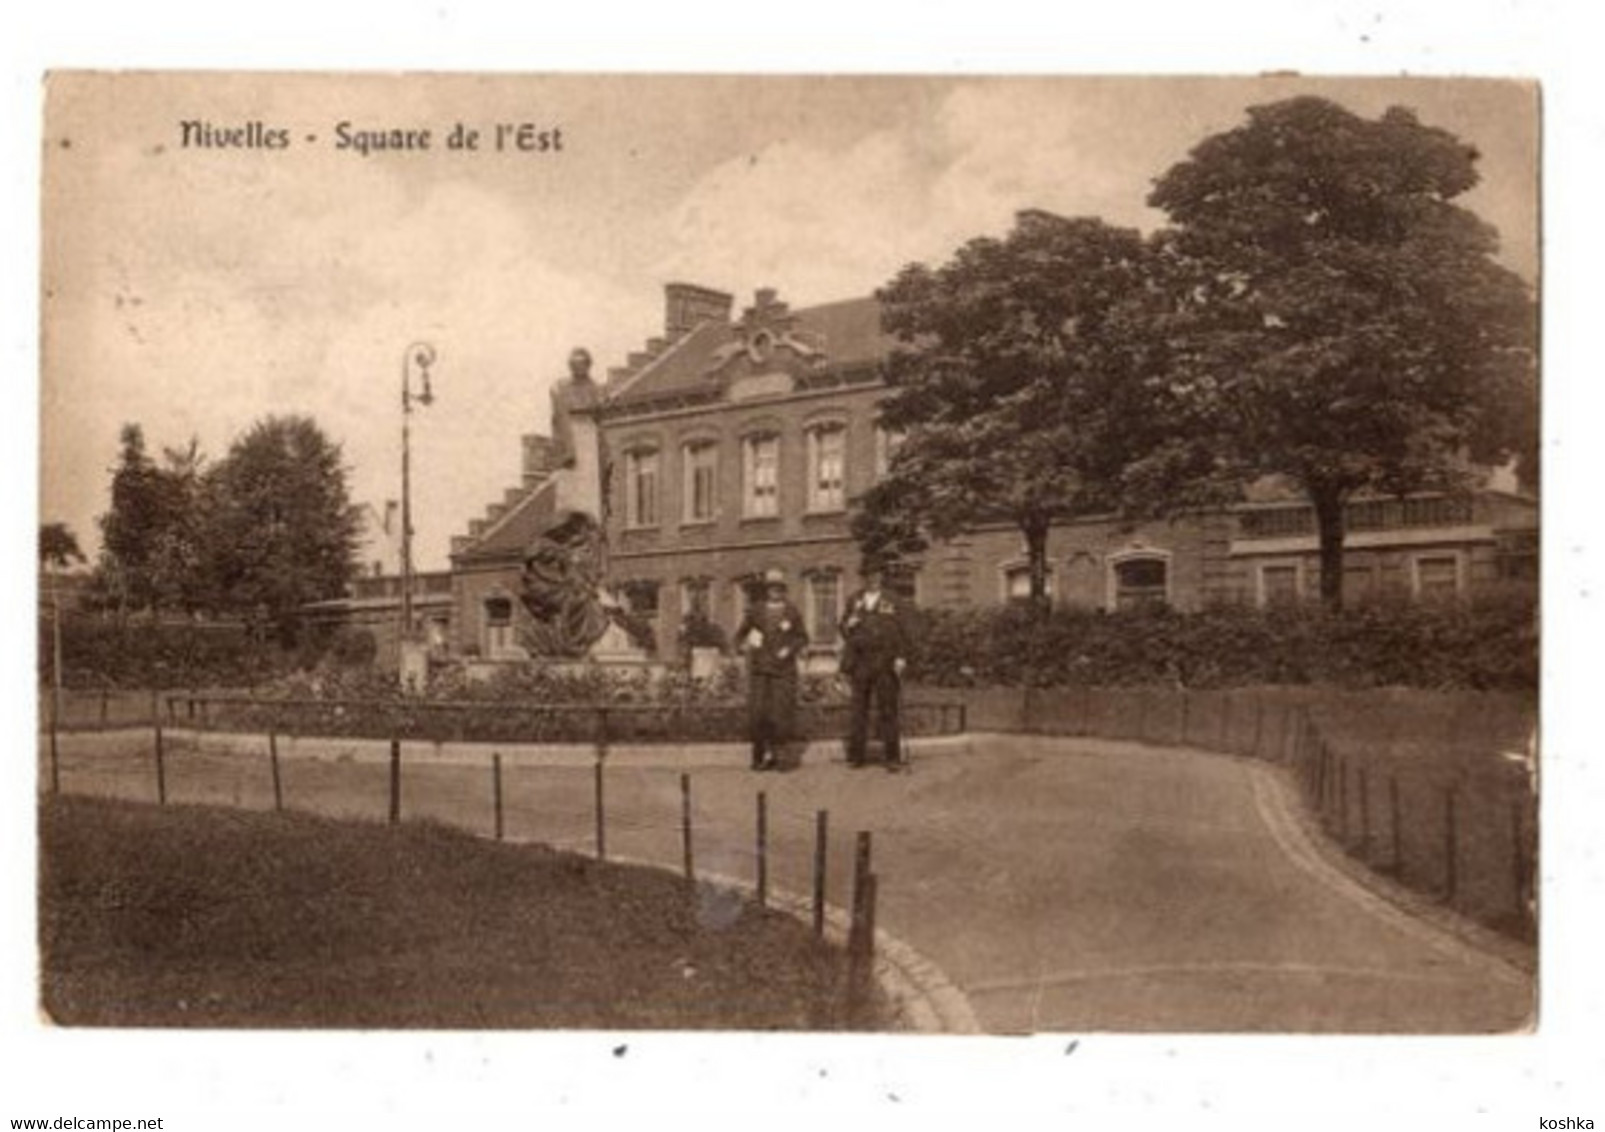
(414, 666)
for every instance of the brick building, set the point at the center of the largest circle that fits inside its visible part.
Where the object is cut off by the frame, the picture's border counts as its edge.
(736, 442)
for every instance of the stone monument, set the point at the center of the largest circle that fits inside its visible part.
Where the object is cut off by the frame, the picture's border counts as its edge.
(573, 613)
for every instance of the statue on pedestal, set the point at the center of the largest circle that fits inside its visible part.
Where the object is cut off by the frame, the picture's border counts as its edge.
(575, 393)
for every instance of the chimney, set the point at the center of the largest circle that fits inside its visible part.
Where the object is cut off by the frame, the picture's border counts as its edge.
(686, 305)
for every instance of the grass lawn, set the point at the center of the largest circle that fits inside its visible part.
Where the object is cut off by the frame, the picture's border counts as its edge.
(196, 916)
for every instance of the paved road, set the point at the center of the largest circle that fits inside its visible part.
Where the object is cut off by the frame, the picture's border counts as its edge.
(1063, 885)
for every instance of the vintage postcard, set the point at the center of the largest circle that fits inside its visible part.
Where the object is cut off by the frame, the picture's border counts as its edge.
(948, 555)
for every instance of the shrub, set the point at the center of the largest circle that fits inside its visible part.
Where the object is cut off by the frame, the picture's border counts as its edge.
(1490, 642)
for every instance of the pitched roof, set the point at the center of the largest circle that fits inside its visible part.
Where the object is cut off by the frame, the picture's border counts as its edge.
(514, 531)
(847, 332)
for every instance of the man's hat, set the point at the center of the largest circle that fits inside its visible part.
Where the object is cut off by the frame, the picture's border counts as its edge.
(872, 564)
(774, 577)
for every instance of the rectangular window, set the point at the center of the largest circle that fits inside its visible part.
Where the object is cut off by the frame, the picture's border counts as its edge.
(696, 598)
(1437, 576)
(1017, 582)
(824, 608)
(641, 486)
(1141, 582)
(498, 626)
(701, 478)
(763, 477)
(827, 460)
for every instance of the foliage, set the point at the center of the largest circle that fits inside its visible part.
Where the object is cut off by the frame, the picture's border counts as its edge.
(1490, 642)
(699, 631)
(1336, 317)
(58, 546)
(143, 652)
(1023, 386)
(149, 536)
(281, 530)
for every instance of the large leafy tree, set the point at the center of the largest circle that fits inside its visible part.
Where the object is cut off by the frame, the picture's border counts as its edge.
(280, 529)
(1342, 318)
(1023, 388)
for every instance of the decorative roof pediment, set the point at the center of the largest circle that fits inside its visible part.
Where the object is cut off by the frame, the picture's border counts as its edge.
(767, 340)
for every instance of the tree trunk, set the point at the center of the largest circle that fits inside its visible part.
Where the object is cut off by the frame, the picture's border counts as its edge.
(1329, 524)
(1036, 549)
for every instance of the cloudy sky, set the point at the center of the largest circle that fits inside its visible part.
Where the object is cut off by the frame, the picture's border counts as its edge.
(195, 291)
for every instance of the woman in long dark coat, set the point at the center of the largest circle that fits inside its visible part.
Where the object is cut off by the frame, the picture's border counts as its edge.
(773, 637)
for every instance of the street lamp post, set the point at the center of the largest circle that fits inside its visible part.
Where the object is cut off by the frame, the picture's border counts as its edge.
(419, 356)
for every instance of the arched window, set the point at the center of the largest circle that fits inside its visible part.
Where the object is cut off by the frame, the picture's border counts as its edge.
(641, 487)
(827, 466)
(498, 626)
(760, 476)
(1139, 578)
(699, 491)
(823, 607)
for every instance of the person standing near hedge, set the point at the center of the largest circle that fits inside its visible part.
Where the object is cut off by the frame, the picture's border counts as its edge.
(874, 655)
(773, 637)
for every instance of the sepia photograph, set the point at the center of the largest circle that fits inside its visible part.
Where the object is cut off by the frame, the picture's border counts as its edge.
(577, 587)
(992, 556)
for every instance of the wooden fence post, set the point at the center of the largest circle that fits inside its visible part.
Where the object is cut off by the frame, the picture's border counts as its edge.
(1259, 724)
(55, 754)
(601, 819)
(1365, 817)
(496, 791)
(273, 763)
(861, 864)
(763, 850)
(1185, 705)
(685, 828)
(161, 766)
(821, 844)
(395, 781)
(1225, 721)
(1393, 818)
(105, 705)
(1451, 838)
(1341, 766)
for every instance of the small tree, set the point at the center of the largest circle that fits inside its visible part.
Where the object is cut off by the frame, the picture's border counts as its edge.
(1020, 388)
(58, 546)
(129, 530)
(1345, 321)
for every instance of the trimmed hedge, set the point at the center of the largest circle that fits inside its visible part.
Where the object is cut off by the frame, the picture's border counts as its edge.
(1488, 643)
(140, 653)
(532, 704)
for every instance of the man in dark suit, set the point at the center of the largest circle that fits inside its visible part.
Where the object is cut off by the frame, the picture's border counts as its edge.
(874, 654)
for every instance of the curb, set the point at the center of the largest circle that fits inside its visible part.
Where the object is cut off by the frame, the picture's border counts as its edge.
(925, 998)
(821, 752)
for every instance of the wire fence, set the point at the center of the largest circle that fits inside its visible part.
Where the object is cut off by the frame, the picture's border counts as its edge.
(734, 846)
